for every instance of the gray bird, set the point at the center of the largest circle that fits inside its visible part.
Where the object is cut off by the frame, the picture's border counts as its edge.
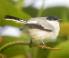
(41, 29)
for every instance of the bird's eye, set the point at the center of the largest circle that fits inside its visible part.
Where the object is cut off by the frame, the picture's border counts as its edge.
(52, 18)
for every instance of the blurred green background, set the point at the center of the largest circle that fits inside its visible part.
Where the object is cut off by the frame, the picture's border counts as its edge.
(8, 7)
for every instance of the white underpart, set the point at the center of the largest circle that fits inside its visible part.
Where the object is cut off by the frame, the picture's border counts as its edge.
(38, 34)
(56, 30)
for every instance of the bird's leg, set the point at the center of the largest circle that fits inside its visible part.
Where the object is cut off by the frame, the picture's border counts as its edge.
(43, 45)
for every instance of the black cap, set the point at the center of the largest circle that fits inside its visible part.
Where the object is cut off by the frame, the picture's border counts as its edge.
(52, 18)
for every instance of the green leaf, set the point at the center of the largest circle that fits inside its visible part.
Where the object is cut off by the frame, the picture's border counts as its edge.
(8, 8)
(63, 51)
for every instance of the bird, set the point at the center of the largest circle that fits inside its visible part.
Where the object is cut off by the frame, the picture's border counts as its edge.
(41, 29)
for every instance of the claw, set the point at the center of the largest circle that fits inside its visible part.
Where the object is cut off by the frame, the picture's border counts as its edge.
(43, 46)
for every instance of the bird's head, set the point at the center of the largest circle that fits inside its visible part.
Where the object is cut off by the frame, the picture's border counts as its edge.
(53, 20)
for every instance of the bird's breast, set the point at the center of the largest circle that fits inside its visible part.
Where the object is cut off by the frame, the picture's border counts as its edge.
(38, 34)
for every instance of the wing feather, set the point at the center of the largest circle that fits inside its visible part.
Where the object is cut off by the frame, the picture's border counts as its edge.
(42, 22)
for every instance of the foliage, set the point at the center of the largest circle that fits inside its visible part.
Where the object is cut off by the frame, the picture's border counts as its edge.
(61, 12)
(7, 7)
(62, 53)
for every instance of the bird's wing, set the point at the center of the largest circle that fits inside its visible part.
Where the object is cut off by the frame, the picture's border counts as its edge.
(40, 23)
(46, 25)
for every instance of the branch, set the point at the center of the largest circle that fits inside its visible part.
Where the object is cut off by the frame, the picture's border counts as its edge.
(14, 43)
(25, 43)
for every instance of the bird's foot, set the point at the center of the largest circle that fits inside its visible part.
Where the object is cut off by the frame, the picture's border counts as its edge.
(47, 47)
(42, 46)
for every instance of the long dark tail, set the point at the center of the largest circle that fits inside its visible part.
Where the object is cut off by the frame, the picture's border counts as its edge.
(13, 18)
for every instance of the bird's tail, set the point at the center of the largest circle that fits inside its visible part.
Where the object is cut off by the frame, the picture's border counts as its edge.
(13, 18)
